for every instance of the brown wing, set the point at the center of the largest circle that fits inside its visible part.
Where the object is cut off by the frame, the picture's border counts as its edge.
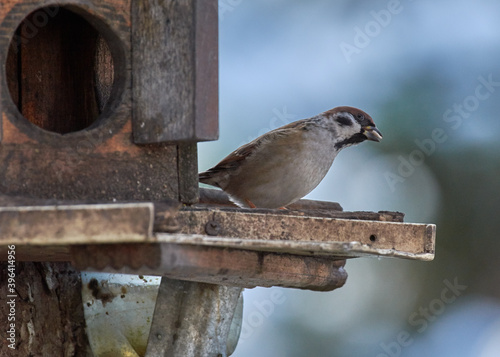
(230, 163)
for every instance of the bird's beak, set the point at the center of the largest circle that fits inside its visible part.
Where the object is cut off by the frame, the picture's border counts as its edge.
(372, 133)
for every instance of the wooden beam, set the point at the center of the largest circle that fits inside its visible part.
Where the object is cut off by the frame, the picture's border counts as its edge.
(175, 70)
(228, 246)
(331, 249)
(63, 225)
(213, 265)
(271, 230)
(309, 232)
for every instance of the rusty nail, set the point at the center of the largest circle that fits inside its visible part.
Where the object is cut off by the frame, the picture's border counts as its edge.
(212, 228)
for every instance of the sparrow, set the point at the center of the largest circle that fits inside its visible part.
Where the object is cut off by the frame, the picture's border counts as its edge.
(285, 164)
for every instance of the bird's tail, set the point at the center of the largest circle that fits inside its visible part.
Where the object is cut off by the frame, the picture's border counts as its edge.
(207, 177)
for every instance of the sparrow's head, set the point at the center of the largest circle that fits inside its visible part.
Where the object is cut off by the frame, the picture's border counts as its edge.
(351, 126)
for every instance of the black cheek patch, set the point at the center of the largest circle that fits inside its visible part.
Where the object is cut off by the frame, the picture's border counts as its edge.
(355, 139)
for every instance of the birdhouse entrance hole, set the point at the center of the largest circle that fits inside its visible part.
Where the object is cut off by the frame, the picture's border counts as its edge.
(60, 70)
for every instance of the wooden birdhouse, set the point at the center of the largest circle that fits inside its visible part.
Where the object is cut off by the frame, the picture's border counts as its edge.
(106, 100)
(102, 103)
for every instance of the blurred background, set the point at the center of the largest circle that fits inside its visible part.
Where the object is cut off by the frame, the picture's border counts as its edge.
(429, 74)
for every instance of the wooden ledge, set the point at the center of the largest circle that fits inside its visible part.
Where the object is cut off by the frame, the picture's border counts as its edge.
(214, 265)
(302, 247)
(288, 232)
(335, 233)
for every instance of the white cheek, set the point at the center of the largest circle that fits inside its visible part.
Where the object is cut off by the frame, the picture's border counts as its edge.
(345, 132)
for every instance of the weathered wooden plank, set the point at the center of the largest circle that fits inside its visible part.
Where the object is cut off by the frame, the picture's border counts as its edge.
(213, 265)
(89, 165)
(292, 232)
(178, 329)
(308, 210)
(206, 72)
(175, 70)
(53, 225)
(210, 198)
(39, 253)
(329, 249)
(247, 225)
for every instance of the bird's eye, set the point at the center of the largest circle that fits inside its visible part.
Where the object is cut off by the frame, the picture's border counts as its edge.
(360, 116)
(344, 121)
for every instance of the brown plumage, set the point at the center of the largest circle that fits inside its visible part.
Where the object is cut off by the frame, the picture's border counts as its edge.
(287, 163)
